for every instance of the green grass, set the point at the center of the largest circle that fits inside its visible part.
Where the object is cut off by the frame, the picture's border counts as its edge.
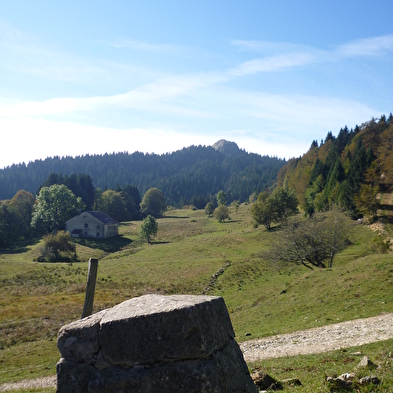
(36, 299)
(312, 370)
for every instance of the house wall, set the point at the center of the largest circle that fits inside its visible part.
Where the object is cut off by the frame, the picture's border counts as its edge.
(110, 230)
(89, 226)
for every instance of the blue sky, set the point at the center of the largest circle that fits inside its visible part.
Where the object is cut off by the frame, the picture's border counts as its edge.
(89, 77)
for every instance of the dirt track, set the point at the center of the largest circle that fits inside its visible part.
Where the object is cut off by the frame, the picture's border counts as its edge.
(322, 339)
(317, 340)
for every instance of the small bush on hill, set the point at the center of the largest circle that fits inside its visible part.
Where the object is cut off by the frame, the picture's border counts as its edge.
(58, 247)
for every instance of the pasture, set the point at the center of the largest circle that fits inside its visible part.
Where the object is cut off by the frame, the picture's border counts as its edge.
(36, 299)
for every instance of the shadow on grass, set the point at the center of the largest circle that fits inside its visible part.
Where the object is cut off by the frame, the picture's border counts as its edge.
(388, 219)
(154, 243)
(19, 247)
(112, 244)
(174, 217)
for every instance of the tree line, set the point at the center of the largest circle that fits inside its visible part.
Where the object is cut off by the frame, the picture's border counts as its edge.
(349, 170)
(188, 176)
(60, 198)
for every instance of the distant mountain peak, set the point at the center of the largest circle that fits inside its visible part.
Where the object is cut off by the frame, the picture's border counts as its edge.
(227, 148)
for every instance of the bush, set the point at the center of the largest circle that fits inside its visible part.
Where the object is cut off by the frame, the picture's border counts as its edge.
(58, 247)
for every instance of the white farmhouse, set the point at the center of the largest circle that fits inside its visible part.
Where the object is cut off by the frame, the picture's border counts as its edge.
(92, 224)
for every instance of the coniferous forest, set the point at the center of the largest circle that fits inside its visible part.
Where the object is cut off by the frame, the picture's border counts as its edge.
(351, 170)
(187, 176)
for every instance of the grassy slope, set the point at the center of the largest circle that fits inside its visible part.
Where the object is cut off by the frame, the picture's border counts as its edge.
(36, 299)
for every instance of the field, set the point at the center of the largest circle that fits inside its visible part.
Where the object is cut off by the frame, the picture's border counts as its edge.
(36, 299)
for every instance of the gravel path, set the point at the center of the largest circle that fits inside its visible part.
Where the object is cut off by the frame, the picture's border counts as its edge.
(322, 339)
(317, 340)
(47, 382)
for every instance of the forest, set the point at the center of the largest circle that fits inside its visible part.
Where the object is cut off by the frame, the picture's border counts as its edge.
(187, 176)
(351, 170)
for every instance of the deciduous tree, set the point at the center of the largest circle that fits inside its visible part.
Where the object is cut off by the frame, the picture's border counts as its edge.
(222, 198)
(366, 201)
(149, 228)
(112, 204)
(54, 206)
(221, 213)
(311, 242)
(153, 202)
(209, 209)
(278, 206)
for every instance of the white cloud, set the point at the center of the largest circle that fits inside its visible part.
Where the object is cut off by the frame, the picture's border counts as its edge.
(274, 124)
(367, 47)
(155, 97)
(145, 46)
(271, 64)
(292, 55)
(30, 139)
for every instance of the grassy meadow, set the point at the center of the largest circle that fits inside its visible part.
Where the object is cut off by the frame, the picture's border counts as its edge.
(36, 298)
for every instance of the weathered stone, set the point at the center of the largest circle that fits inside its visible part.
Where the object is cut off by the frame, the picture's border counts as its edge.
(344, 381)
(291, 382)
(154, 328)
(74, 377)
(347, 376)
(78, 341)
(265, 381)
(369, 379)
(365, 362)
(218, 373)
(154, 344)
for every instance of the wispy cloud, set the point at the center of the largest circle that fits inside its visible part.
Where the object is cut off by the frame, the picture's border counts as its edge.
(144, 46)
(367, 47)
(269, 47)
(24, 54)
(289, 55)
(271, 64)
(269, 120)
(153, 97)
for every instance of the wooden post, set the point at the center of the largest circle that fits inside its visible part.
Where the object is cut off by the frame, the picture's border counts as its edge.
(90, 287)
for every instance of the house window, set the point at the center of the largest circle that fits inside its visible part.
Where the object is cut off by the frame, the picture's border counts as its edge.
(86, 225)
(98, 234)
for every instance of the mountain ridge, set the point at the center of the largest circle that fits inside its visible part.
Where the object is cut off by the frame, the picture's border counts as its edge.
(189, 175)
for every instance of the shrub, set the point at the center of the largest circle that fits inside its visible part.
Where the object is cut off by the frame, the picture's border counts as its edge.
(58, 247)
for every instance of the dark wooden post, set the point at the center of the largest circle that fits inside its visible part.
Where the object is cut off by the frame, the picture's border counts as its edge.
(90, 287)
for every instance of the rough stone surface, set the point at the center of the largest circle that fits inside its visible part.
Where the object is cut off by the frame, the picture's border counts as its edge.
(153, 343)
(156, 328)
(365, 362)
(369, 379)
(78, 341)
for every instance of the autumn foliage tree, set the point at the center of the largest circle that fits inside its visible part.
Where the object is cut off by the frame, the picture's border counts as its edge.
(367, 202)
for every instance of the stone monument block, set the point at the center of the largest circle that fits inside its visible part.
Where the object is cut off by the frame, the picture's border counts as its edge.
(153, 343)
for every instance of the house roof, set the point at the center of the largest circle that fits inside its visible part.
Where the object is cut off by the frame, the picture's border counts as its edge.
(102, 217)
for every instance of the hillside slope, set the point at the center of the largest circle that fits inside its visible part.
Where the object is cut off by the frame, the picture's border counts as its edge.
(186, 176)
(350, 169)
